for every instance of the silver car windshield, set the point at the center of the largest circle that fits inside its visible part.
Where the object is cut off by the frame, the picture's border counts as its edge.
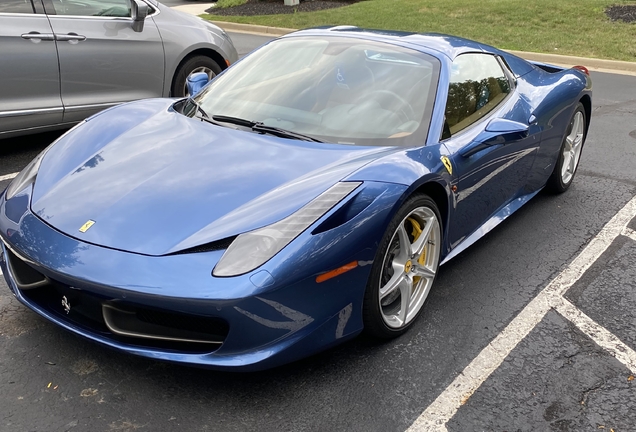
(336, 89)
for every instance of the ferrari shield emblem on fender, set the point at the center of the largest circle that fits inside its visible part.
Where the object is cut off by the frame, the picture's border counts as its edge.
(447, 163)
(66, 305)
(87, 226)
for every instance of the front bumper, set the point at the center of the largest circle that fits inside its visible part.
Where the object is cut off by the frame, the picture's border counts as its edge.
(269, 318)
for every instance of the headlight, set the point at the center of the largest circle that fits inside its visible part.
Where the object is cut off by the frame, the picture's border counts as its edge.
(28, 174)
(255, 248)
(216, 30)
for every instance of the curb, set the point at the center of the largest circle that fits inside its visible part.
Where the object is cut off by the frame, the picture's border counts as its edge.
(593, 64)
(252, 28)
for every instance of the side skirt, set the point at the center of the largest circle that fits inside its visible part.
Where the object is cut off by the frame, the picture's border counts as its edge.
(491, 223)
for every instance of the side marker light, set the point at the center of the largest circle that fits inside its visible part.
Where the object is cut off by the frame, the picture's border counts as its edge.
(337, 272)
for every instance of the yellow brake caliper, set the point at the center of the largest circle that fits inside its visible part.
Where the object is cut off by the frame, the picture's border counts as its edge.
(417, 231)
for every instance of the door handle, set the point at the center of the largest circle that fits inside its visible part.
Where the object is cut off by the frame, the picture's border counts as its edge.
(71, 37)
(37, 36)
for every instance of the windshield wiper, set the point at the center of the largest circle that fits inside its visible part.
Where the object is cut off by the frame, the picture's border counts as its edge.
(282, 133)
(234, 120)
(263, 128)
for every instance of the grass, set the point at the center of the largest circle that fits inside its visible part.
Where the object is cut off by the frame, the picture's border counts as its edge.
(229, 3)
(570, 27)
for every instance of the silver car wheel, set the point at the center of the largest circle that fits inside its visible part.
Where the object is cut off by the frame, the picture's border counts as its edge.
(572, 148)
(409, 267)
(211, 74)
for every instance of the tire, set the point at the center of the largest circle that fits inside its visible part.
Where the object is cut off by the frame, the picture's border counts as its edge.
(197, 63)
(397, 270)
(569, 153)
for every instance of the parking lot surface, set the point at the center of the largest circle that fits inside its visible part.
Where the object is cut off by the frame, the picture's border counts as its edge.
(555, 375)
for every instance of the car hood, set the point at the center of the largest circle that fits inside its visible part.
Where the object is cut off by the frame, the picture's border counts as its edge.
(157, 182)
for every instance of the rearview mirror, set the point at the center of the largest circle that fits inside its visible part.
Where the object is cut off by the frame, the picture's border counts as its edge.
(196, 82)
(139, 12)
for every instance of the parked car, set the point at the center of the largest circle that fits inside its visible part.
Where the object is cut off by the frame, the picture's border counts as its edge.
(309, 192)
(64, 60)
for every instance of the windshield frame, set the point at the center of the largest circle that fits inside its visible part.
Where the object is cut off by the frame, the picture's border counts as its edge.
(414, 138)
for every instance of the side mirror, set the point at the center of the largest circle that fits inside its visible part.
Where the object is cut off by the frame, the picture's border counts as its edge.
(500, 125)
(196, 82)
(139, 12)
(498, 131)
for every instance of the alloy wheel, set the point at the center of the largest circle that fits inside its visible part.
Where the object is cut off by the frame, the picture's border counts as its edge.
(572, 148)
(409, 267)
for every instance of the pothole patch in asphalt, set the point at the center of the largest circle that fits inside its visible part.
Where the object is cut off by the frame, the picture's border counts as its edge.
(633, 134)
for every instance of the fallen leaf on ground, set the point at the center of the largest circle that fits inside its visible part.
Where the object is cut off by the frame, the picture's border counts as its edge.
(88, 392)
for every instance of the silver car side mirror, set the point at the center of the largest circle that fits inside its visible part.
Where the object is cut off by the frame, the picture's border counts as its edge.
(139, 12)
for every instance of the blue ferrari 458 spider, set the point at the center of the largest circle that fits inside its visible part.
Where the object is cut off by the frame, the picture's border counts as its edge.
(306, 194)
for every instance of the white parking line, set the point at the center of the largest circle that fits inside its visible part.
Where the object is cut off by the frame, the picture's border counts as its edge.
(435, 417)
(598, 334)
(8, 176)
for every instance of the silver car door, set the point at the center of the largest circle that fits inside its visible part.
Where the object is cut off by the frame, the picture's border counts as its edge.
(103, 61)
(29, 74)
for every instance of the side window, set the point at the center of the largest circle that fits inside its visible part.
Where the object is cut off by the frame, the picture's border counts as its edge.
(477, 86)
(16, 6)
(106, 8)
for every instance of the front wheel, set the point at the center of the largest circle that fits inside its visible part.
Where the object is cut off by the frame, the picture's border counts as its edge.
(193, 65)
(569, 154)
(404, 268)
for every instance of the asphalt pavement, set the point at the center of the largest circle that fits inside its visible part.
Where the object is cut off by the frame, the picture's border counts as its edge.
(557, 377)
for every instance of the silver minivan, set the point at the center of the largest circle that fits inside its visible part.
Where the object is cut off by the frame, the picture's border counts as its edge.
(63, 60)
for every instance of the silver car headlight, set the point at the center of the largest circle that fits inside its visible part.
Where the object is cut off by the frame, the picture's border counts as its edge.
(213, 28)
(30, 172)
(253, 249)
(26, 176)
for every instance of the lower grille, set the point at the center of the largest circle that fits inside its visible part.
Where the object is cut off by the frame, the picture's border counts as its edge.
(131, 323)
(121, 321)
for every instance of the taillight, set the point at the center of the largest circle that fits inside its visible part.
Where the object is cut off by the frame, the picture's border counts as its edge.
(582, 69)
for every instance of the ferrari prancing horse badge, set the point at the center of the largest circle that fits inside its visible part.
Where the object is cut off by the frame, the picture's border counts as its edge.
(87, 226)
(447, 163)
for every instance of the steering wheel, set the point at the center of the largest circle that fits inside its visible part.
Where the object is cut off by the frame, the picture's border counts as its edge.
(405, 108)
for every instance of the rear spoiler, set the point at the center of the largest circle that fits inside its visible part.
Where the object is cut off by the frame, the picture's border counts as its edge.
(550, 68)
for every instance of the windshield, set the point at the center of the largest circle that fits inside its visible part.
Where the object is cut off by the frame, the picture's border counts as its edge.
(335, 89)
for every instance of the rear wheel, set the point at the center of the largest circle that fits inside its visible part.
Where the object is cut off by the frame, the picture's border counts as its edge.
(193, 65)
(570, 153)
(404, 268)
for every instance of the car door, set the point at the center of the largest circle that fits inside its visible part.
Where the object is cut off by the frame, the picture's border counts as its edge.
(103, 60)
(29, 74)
(492, 145)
